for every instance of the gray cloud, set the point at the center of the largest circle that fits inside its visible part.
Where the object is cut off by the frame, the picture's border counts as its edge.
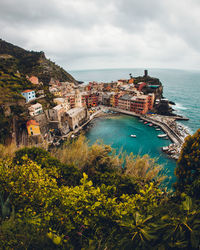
(99, 33)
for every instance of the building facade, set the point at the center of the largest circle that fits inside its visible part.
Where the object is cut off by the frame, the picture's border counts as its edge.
(76, 117)
(139, 104)
(35, 109)
(29, 95)
(33, 127)
(124, 102)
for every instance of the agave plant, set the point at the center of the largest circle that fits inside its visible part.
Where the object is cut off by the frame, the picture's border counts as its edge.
(182, 231)
(140, 231)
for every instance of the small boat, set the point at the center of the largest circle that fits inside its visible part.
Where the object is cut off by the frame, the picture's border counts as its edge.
(165, 148)
(150, 124)
(158, 129)
(133, 136)
(145, 122)
(162, 136)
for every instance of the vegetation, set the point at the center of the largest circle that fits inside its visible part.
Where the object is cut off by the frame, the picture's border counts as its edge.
(188, 171)
(80, 197)
(15, 65)
(30, 62)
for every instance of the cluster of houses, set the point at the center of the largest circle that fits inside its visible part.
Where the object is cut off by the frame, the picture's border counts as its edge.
(73, 102)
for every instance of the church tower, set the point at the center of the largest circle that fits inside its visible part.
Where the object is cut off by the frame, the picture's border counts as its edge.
(78, 99)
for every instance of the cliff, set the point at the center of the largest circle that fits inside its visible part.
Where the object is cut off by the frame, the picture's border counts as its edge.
(30, 63)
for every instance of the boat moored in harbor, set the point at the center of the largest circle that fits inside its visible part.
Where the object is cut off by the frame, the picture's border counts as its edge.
(162, 135)
(133, 136)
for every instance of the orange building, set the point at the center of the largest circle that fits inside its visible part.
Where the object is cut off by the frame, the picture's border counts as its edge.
(34, 79)
(33, 127)
(91, 100)
(131, 80)
(151, 98)
(139, 104)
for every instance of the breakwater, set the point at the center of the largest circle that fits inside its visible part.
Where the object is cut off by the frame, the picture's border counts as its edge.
(165, 127)
(174, 149)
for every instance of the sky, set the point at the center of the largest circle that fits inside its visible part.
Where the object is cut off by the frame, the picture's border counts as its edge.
(98, 34)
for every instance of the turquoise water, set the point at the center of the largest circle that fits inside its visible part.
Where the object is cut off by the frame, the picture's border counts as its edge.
(180, 86)
(116, 131)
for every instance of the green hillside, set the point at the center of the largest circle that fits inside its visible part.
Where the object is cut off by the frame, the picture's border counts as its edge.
(30, 62)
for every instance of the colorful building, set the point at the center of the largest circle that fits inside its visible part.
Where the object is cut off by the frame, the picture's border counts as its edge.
(34, 80)
(139, 104)
(35, 109)
(131, 80)
(29, 95)
(33, 127)
(139, 86)
(91, 100)
(124, 102)
(151, 98)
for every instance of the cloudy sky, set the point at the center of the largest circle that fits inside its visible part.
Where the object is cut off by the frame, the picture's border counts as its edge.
(94, 34)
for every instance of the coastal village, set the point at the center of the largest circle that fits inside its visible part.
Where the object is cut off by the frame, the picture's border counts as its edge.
(76, 105)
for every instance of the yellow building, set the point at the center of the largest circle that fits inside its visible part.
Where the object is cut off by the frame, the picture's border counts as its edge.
(33, 127)
(112, 101)
(57, 93)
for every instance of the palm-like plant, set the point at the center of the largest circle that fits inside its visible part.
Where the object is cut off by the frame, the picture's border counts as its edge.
(140, 231)
(182, 231)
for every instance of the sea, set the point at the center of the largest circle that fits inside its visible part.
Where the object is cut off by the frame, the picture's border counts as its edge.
(180, 86)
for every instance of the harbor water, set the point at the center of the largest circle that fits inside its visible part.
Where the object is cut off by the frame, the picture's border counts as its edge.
(180, 86)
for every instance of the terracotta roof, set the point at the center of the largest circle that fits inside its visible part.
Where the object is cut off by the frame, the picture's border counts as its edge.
(32, 122)
(28, 90)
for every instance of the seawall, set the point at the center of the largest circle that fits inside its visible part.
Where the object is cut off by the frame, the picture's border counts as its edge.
(165, 127)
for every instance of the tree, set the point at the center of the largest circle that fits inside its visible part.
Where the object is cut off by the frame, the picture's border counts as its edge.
(188, 164)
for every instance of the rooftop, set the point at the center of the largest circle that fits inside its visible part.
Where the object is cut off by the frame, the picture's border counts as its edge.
(59, 99)
(58, 107)
(32, 122)
(37, 105)
(74, 111)
(138, 98)
(27, 91)
(126, 97)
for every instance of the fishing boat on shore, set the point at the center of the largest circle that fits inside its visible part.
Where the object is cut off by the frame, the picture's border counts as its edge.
(133, 136)
(162, 135)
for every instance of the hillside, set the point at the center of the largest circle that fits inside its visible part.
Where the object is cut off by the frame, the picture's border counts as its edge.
(30, 63)
(16, 66)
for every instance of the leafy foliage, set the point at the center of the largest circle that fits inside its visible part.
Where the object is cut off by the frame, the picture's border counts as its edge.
(30, 62)
(188, 171)
(90, 202)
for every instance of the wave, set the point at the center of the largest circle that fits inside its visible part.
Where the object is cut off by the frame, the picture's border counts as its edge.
(179, 106)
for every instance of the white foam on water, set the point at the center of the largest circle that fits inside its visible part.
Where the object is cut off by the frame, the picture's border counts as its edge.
(179, 106)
